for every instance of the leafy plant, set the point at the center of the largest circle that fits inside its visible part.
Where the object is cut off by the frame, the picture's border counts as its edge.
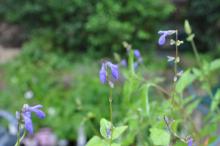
(80, 25)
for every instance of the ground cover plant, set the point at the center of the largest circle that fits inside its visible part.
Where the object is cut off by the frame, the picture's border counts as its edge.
(138, 109)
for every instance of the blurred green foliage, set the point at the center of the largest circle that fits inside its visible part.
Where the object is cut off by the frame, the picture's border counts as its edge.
(69, 92)
(82, 25)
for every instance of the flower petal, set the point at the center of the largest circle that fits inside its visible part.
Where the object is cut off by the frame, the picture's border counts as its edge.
(190, 142)
(162, 39)
(37, 111)
(28, 123)
(115, 72)
(102, 74)
(123, 62)
(137, 53)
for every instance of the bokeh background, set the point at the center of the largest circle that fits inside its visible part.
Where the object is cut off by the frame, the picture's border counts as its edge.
(51, 51)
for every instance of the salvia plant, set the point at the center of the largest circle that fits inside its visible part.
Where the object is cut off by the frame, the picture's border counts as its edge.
(173, 124)
(153, 111)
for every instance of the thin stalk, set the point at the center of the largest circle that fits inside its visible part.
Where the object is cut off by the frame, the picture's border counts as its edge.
(176, 57)
(171, 131)
(18, 132)
(18, 136)
(110, 113)
(175, 66)
(182, 110)
(196, 52)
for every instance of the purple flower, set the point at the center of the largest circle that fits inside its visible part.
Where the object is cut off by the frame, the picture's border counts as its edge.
(123, 62)
(26, 115)
(103, 73)
(190, 142)
(163, 35)
(137, 53)
(114, 70)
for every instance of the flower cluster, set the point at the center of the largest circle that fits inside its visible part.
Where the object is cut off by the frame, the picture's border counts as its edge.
(103, 74)
(25, 116)
(137, 55)
(162, 40)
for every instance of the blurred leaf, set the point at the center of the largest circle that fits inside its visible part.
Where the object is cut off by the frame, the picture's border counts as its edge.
(145, 94)
(159, 137)
(117, 131)
(192, 106)
(215, 65)
(105, 128)
(185, 80)
(97, 141)
(215, 101)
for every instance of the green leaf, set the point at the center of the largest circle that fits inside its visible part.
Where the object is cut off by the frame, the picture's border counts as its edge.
(215, 65)
(117, 131)
(145, 93)
(190, 108)
(215, 101)
(159, 137)
(185, 80)
(105, 128)
(96, 141)
(115, 144)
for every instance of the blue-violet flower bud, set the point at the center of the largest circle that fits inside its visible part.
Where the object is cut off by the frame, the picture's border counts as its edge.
(190, 142)
(123, 62)
(137, 53)
(103, 73)
(163, 35)
(114, 70)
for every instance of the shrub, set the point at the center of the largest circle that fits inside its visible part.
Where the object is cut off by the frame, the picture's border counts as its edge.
(80, 25)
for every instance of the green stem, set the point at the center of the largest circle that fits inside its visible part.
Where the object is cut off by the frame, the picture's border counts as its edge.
(110, 113)
(182, 110)
(195, 50)
(18, 134)
(175, 68)
(177, 56)
(196, 53)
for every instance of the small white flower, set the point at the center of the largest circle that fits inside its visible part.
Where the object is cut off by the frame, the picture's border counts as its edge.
(170, 58)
